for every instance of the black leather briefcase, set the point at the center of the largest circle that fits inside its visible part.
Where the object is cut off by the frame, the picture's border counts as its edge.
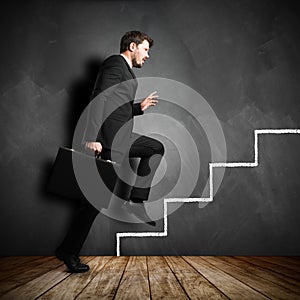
(65, 181)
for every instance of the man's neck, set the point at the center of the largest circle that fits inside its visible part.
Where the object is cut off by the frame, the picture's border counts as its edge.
(127, 58)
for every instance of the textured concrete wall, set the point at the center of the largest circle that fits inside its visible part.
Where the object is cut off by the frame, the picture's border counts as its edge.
(241, 56)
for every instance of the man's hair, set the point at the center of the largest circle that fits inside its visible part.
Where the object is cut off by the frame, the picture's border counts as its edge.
(136, 37)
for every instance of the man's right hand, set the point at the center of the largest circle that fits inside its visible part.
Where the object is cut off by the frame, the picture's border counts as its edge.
(94, 146)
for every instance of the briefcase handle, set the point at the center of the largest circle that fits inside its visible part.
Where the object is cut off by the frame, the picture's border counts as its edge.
(91, 153)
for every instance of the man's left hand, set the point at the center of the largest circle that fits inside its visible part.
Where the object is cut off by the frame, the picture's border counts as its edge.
(149, 101)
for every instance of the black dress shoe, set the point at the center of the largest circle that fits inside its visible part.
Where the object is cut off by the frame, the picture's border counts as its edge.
(72, 262)
(138, 209)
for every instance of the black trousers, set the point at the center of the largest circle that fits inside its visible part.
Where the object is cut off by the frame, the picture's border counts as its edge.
(150, 152)
(83, 218)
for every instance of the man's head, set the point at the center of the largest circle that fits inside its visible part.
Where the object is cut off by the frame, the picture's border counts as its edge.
(136, 45)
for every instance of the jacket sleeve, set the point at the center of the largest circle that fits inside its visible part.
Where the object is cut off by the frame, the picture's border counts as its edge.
(109, 75)
(137, 109)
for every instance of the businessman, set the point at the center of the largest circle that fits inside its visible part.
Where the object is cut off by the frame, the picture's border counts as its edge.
(110, 122)
(109, 135)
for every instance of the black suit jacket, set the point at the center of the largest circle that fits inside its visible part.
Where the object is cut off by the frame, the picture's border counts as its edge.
(110, 117)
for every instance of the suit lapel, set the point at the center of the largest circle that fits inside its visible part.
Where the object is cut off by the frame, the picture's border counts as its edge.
(130, 70)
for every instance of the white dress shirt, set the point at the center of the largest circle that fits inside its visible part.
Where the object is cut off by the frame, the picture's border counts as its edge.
(127, 59)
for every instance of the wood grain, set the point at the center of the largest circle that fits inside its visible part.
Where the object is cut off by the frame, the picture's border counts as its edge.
(276, 278)
(134, 283)
(163, 283)
(11, 264)
(269, 265)
(105, 284)
(228, 284)
(281, 261)
(266, 287)
(73, 285)
(39, 285)
(27, 272)
(195, 285)
(152, 277)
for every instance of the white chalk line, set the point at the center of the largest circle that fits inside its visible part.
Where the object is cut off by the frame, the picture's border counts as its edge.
(164, 233)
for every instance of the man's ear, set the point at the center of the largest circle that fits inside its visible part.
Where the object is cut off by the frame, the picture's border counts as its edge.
(132, 46)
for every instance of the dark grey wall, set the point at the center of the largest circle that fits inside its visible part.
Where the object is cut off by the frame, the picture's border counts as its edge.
(241, 55)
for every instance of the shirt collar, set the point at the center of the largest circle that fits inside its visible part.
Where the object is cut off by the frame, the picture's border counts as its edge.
(127, 60)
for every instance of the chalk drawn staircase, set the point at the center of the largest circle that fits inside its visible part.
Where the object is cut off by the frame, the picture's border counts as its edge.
(212, 166)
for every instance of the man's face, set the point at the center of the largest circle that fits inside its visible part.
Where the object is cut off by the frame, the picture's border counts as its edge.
(140, 54)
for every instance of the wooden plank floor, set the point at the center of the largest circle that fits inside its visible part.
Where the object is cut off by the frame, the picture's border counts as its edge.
(152, 277)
